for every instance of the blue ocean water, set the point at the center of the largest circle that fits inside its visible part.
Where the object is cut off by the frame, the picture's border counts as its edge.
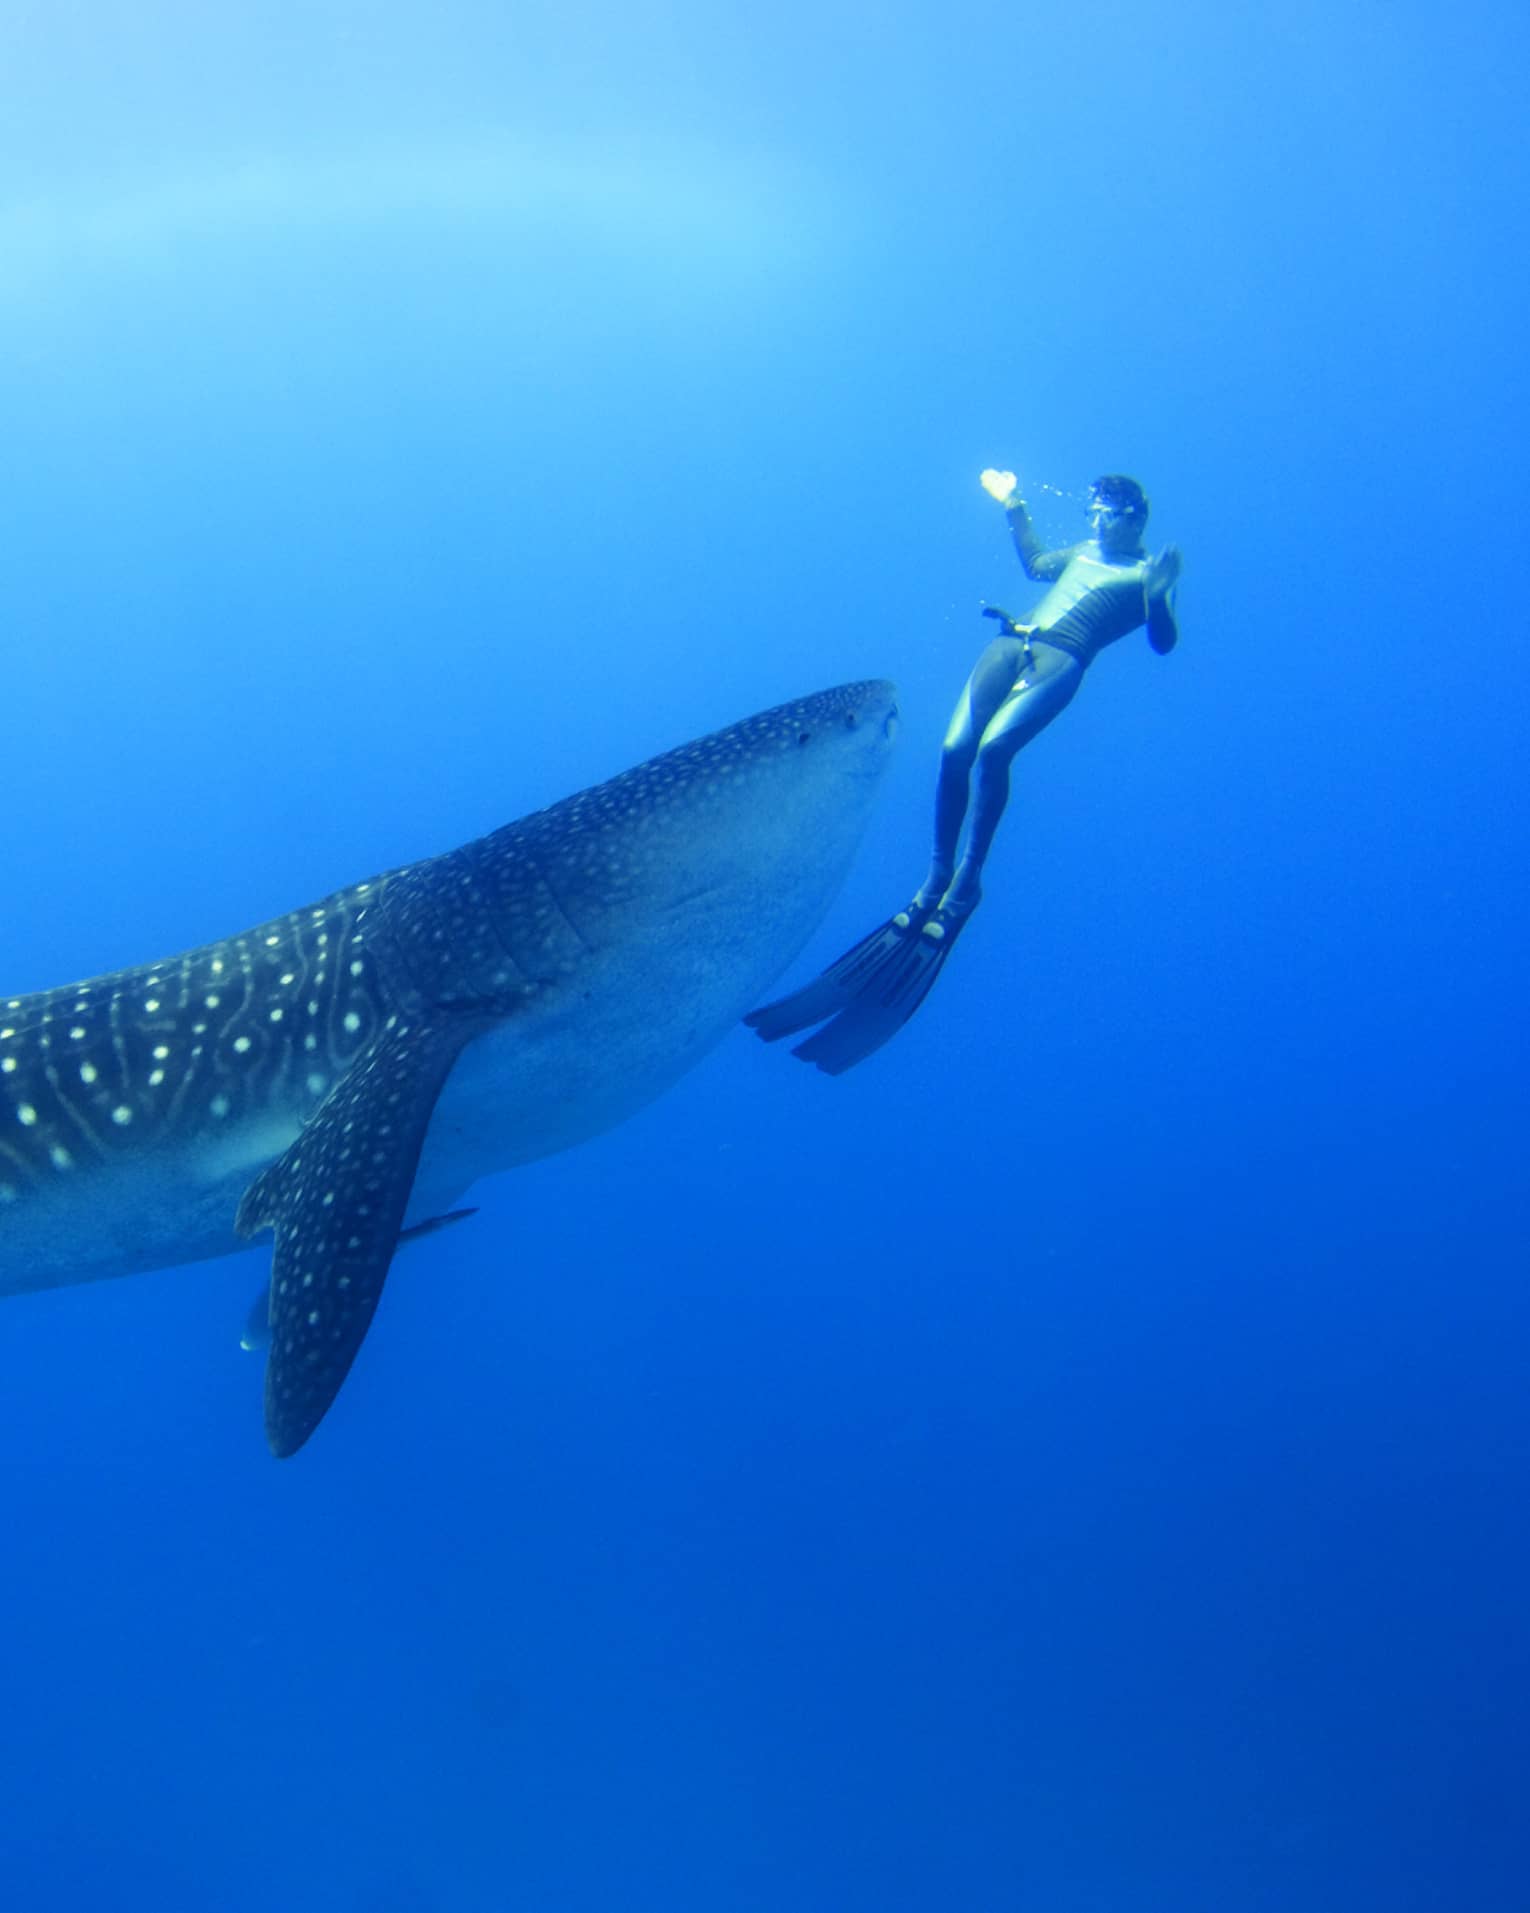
(1077, 1461)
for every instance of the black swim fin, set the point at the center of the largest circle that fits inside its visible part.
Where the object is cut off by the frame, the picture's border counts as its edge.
(866, 997)
(887, 998)
(837, 987)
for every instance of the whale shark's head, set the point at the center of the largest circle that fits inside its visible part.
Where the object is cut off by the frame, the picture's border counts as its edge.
(722, 857)
(770, 798)
(743, 836)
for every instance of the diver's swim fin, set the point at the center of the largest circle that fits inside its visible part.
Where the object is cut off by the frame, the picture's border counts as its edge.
(837, 987)
(866, 997)
(886, 1000)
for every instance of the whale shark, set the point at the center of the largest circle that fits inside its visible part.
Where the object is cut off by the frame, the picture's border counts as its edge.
(341, 1074)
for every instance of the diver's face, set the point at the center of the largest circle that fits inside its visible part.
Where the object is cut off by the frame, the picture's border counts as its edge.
(1116, 530)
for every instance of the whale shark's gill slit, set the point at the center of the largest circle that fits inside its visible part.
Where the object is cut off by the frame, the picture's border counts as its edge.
(478, 861)
(684, 898)
(15, 1171)
(558, 904)
(119, 1042)
(186, 1077)
(426, 905)
(68, 1112)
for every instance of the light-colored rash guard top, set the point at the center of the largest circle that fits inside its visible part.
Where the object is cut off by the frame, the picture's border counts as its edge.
(1093, 600)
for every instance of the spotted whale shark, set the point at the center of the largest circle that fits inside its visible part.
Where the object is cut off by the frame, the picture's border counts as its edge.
(340, 1074)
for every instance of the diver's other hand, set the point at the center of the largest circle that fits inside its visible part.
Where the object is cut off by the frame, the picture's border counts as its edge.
(1163, 572)
(1000, 485)
(1006, 623)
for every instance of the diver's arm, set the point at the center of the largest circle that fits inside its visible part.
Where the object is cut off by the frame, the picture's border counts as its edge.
(1039, 564)
(1162, 625)
(1162, 576)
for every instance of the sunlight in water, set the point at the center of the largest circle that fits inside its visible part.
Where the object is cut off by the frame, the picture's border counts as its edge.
(743, 216)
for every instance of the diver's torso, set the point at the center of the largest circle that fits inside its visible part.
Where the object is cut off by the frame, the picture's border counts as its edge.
(1094, 602)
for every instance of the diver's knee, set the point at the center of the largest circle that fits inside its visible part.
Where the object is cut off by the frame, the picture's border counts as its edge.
(957, 756)
(990, 771)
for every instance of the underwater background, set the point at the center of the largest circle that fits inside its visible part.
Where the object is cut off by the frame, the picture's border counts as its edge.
(1075, 1462)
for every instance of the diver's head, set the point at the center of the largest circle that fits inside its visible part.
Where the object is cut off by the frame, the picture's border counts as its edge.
(1118, 511)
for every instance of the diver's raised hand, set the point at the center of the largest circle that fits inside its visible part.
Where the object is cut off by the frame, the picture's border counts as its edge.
(1000, 485)
(1163, 572)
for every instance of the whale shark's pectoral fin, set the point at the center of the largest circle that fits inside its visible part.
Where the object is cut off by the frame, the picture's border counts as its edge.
(256, 1334)
(336, 1200)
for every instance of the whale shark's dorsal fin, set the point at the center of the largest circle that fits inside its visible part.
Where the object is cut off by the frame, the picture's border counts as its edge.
(336, 1200)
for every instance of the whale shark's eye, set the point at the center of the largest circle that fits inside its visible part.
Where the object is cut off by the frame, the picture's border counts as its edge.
(804, 737)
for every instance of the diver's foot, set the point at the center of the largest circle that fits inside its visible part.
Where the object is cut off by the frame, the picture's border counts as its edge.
(911, 921)
(958, 903)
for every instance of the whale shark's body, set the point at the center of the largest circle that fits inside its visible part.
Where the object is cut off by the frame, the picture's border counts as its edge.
(344, 1072)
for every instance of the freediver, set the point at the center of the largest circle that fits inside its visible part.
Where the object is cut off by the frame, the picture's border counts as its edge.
(1101, 589)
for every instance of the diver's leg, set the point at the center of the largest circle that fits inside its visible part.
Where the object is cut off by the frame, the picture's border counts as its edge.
(1044, 688)
(855, 973)
(983, 696)
(1038, 696)
(872, 991)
